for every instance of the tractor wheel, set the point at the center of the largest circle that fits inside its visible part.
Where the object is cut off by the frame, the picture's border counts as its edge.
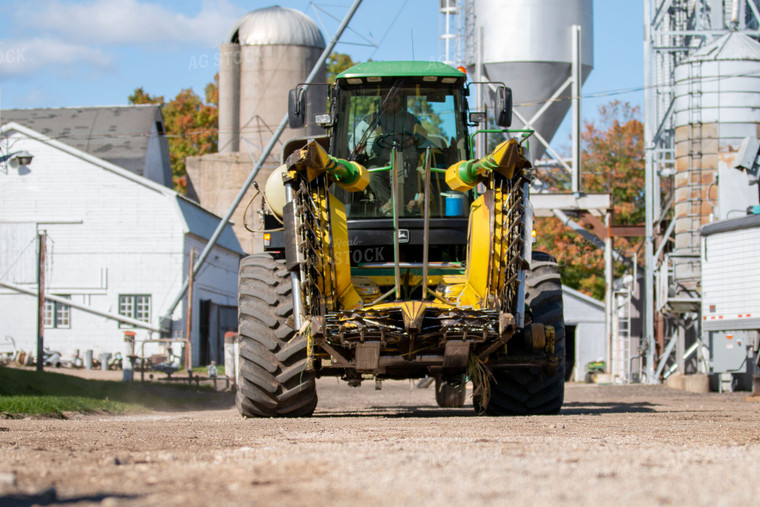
(450, 394)
(530, 391)
(273, 380)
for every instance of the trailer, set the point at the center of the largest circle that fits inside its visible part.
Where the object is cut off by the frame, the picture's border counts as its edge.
(731, 301)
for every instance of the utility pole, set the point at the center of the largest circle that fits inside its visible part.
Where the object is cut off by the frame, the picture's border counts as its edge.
(189, 318)
(41, 244)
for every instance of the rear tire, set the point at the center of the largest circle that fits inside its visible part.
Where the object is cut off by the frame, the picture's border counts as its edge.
(450, 394)
(531, 391)
(273, 380)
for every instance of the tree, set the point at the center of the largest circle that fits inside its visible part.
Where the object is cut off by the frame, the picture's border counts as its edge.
(140, 96)
(337, 63)
(191, 125)
(613, 161)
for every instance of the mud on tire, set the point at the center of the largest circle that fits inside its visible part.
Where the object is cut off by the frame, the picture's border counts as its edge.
(530, 391)
(273, 380)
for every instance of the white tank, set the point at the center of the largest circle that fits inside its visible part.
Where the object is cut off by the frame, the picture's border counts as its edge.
(717, 105)
(527, 44)
(268, 52)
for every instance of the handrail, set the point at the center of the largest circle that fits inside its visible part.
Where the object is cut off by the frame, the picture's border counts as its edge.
(525, 132)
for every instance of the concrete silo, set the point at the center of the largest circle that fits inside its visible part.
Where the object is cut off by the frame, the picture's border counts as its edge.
(267, 52)
(528, 44)
(717, 106)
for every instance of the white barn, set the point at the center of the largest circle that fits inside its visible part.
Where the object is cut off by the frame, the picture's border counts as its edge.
(118, 243)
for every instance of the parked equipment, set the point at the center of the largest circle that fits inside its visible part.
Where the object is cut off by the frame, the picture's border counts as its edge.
(400, 255)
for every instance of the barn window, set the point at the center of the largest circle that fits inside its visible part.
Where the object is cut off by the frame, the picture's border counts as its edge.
(134, 306)
(57, 315)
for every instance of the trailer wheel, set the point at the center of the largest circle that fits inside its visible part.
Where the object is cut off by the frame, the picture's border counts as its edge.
(530, 391)
(273, 380)
(450, 394)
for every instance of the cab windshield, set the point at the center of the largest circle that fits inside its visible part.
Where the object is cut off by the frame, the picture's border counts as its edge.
(373, 120)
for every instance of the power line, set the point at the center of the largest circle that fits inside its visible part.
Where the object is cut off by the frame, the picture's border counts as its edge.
(607, 93)
(389, 28)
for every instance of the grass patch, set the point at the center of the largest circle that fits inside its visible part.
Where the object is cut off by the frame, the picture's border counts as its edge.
(203, 370)
(54, 395)
(58, 406)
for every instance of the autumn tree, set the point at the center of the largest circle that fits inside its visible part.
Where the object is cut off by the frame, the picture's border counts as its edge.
(191, 125)
(613, 162)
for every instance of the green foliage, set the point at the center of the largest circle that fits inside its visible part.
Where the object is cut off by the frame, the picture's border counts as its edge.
(337, 63)
(613, 162)
(140, 96)
(53, 394)
(191, 125)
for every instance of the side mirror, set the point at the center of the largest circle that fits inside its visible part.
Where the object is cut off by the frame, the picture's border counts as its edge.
(504, 106)
(296, 108)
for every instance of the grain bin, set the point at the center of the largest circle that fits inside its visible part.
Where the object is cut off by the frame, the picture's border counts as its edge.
(717, 105)
(527, 44)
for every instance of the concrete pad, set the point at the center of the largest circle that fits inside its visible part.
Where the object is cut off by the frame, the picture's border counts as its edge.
(676, 381)
(697, 383)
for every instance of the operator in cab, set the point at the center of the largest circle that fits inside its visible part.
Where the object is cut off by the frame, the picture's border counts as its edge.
(391, 127)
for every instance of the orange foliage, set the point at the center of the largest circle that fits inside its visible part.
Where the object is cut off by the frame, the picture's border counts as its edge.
(613, 162)
(191, 125)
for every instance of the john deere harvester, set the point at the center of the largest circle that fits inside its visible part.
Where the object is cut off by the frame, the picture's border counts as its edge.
(393, 252)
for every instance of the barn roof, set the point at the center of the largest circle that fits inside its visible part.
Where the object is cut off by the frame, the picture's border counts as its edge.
(116, 134)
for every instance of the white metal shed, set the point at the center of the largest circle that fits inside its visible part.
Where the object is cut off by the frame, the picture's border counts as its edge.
(584, 329)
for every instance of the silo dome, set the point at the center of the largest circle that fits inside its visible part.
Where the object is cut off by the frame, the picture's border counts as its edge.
(267, 52)
(276, 25)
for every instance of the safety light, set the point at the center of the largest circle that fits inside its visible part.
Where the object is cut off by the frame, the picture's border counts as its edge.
(462, 69)
(267, 239)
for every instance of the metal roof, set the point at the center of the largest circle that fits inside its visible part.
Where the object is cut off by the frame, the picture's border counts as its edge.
(276, 25)
(116, 134)
(410, 69)
(732, 224)
(583, 297)
(732, 46)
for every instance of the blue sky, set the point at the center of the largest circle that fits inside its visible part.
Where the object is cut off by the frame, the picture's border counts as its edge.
(64, 53)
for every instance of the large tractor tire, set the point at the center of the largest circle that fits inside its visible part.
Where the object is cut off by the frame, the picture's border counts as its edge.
(450, 394)
(530, 391)
(273, 380)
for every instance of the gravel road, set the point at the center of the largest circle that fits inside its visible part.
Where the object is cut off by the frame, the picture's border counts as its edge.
(612, 445)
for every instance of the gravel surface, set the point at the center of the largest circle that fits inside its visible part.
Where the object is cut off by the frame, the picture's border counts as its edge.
(612, 445)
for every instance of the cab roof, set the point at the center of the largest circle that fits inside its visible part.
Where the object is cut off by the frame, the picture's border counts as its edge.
(404, 69)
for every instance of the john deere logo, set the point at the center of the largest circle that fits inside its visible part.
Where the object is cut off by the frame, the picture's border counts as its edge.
(403, 235)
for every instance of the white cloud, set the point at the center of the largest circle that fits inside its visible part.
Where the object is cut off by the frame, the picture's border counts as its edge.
(24, 57)
(127, 21)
